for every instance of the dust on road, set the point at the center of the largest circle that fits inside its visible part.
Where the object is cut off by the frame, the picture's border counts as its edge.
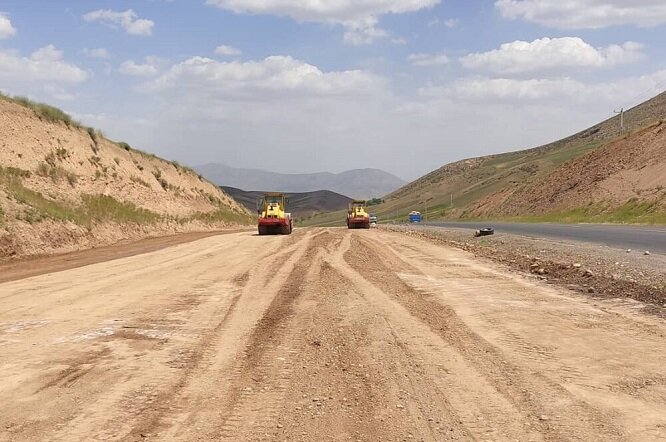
(326, 334)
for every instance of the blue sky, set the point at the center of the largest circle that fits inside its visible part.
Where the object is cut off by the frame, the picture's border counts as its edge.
(305, 85)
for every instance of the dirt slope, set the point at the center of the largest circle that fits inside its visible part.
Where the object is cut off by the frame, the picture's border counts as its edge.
(64, 187)
(370, 336)
(534, 182)
(631, 169)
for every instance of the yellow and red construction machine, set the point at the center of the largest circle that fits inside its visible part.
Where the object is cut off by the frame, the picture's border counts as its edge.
(357, 216)
(273, 218)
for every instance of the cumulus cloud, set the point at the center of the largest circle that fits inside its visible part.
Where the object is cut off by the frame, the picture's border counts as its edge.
(428, 59)
(96, 53)
(548, 54)
(227, 50)
(358, 17)
(6, 28)
(278, 75)
(559, 92)
(128, 20)
(585, 14)
(148, 69)
(43, 65)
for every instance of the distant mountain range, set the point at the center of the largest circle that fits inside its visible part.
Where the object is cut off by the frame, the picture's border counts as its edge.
(300, 205)
(358, 183)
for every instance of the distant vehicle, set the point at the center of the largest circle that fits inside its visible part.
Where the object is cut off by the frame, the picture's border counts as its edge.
(273, 218)
(357, 216)
(415, 217)
(373, 218)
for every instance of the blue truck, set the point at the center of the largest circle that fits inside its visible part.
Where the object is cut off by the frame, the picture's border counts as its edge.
(415, 217)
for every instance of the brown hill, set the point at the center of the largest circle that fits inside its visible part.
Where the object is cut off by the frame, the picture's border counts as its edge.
(632, 169)
(598, 174)
(301, 205)
(66, 187)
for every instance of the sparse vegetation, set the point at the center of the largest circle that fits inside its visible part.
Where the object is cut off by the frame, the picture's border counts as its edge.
(137, 180)
(106, 208)
(633, 211)
(72, 178)
(95, 161)
(124, 145)
(46, 112)
(47, 169)
(62, 154)
(158, 176)
(218, 216)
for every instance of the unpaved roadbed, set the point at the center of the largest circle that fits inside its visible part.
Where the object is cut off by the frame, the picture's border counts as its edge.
(595, 270)
(327, 334)
(13, 270)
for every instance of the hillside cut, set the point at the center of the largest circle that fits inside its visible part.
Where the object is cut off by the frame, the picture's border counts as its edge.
(64, 187)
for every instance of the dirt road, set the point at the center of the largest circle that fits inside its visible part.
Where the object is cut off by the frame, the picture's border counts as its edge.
(327, 334)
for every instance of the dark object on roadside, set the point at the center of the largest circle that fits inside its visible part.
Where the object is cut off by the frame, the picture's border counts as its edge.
(484, 232)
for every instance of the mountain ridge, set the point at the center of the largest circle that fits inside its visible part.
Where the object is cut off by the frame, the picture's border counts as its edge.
(356, 183)
(300, 205)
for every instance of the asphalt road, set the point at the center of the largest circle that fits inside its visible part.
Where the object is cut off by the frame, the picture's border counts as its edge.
(624, 237)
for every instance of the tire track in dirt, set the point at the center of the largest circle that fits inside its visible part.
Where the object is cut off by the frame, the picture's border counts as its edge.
(250, 409)
(356, 381)
(142, 407)
(193, 410)
(536, 397)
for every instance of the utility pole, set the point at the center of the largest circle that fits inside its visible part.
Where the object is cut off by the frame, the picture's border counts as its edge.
(426, 211)
(621, 112)
(451, 200)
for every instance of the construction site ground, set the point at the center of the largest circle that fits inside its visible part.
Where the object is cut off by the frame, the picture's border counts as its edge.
(326, 334)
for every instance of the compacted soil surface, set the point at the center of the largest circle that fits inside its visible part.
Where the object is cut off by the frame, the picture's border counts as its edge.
(327, 334)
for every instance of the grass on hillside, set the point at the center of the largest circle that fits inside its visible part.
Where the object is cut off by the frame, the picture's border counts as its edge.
(94, 208)
(219, 215)
(633, 211)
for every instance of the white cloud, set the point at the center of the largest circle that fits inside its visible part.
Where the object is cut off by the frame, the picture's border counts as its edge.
(43, 65)
(451, 23)
(363, 32)
(429, 59)
(585, 14)
(227, 50)
(277, 75)
(96, 53)
(127, 20)
(358, 17)
(559, 92)
(148, 69)
(6, 28)
(548, 54)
